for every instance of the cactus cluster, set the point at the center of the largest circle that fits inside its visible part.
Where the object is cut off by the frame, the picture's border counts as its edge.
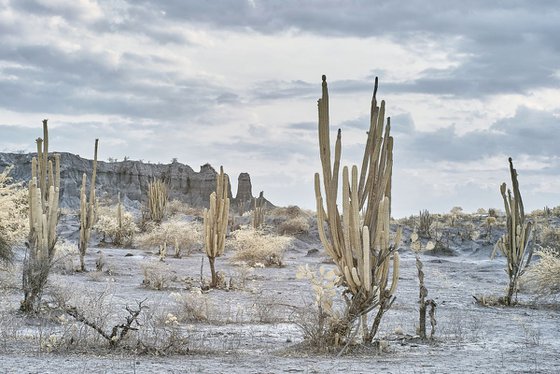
(88, 208)
(361, 247)
(44, 190)
(216, 222)
(514, 244)
(157, 200)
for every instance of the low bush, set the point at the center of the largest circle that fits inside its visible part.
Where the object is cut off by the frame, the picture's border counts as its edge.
(294, 226)
(254, 247)
(543, 277)
(193, 306)
(14, 224)
(66, 259)
(175, 207)
(182, 236)
(318, 320)
(108, 226)
(549, 237)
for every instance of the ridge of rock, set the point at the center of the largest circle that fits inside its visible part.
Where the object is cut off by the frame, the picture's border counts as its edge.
(130, 178)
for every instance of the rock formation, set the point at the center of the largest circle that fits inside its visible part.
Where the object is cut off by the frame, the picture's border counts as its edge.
(131, 178)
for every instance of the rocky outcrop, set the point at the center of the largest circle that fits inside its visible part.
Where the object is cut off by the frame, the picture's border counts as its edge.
(131, 179)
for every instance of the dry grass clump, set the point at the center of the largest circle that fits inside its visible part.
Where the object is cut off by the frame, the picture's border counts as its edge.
(543, 277)
(182, 236)
(254, 247)
(108, 226)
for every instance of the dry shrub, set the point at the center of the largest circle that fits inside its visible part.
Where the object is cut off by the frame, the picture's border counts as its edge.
(549, 237)
(193, 306)
(97, 306)
(291, 211)
(175, 207)
(294, 226)
(157, 275)
(66, 257)
(182, 236)
(92, 320)
(543, 277)
(108, 226)
(14, 224)
(291, 220)
(318, 319)
(254, 247)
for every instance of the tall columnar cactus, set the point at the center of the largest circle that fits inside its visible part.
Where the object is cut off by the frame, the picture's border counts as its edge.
(514, 244)
(361, 247)
(157, 200)
(87, 209)
(258, 212)
(44, 190)
(215, 223)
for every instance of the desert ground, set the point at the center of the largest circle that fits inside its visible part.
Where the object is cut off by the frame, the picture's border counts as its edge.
(253, 323)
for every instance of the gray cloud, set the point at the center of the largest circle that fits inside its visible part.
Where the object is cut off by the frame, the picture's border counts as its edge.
(528, 132)
(48, 80)
(499, 43)
(304, 126)
(494, 49)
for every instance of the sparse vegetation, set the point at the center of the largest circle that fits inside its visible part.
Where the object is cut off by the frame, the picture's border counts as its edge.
(350, 292)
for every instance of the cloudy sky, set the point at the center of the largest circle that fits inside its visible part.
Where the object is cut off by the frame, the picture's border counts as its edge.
(236, 82)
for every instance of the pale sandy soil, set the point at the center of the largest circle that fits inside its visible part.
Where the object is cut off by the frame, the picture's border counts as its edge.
(252, 330)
